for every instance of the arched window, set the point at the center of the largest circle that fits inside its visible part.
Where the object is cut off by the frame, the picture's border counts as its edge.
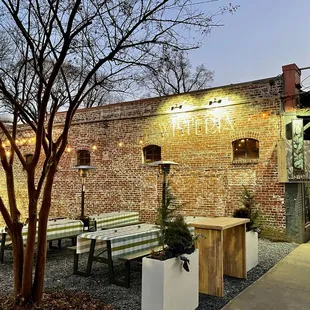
(151, 153)
(245, 149)
(83, 158)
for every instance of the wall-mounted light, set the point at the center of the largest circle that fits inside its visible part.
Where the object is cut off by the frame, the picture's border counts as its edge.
(176, 106)
(215, 101)
(21, 141)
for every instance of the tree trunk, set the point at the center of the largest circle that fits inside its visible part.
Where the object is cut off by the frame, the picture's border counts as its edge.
(29, 250)
(16, 233)
(18, 256)
(38, 285)
(31, 238)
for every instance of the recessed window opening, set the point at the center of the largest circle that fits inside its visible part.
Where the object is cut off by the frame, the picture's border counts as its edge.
(151, 153)
(245, 149)
(28, 158)
(83, 158)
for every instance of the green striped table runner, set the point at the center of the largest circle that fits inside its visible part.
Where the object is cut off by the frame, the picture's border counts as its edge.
(112, 219)
(55, 228)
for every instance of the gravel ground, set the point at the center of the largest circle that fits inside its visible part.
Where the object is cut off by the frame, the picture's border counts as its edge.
(60, 265)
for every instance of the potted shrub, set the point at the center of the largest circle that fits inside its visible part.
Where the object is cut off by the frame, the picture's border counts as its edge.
(248, 211)
(170, 277)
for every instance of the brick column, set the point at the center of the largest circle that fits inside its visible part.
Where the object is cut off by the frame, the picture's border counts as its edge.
(291, 76)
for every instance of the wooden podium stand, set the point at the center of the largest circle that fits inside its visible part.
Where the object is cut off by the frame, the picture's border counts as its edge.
(221, 252)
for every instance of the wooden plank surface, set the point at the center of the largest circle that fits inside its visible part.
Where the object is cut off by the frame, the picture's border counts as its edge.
(218, 223)
(210, 261)
(234, 256)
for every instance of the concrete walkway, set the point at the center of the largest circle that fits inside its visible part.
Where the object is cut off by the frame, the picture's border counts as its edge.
(286, 286)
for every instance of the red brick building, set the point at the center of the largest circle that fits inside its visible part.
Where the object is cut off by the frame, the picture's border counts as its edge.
(223, 138)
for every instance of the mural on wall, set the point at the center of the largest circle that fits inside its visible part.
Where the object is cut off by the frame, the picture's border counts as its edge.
(298, 174)
(298, 144)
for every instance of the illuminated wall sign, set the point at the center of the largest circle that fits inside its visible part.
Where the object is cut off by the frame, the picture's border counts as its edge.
(211, 124)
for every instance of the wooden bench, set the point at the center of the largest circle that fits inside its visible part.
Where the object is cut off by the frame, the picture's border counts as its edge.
(127, 259)
(59, 238)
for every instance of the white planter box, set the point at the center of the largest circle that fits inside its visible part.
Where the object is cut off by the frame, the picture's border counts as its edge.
(167, 286)
(251, 249)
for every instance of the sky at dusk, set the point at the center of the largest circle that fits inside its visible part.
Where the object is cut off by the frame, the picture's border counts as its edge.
(257, 40)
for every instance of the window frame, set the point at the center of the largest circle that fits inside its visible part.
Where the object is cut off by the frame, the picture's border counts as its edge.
(153, 155)
(28, 158)
(246, 150)
(83, 160)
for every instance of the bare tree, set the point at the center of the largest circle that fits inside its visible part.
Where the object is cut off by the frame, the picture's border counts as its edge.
(56, 53)
(172, 74)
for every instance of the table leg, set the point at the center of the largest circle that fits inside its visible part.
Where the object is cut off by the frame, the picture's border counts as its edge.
(235, 252)
(110, 262)
(210, 261)
(113, 280)
(73, 240)
(127, 274)
(76, 264)
(90, 257)
(2, 247)
(90, 260)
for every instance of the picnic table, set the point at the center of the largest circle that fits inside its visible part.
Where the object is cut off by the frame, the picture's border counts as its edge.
(134, 240)
(114, 219)
(56, 231)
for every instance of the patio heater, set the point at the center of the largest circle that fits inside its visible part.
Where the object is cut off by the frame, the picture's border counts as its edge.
(83, 172)
(164, 169)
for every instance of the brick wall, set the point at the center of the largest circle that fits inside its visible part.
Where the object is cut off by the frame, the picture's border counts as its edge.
(198, 136)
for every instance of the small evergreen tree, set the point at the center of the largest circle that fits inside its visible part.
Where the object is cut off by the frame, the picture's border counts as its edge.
(175, 237)
(248, 210)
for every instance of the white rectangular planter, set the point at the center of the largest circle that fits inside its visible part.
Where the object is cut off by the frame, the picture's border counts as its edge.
(167, 286)
(251, 249)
